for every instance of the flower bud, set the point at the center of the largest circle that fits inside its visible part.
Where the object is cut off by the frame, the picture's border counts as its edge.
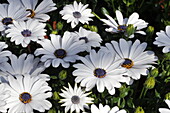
(150, 30)
(150, 83)
(59, 26)
(154, 72)
(54, 32)
(56, 96)
(63, 74)
(139, 110)
(130, 30)
(167, 96)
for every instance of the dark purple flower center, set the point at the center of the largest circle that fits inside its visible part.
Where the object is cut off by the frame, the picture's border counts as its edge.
(75, 99)
(122, 28)
(60, 53)
(7, 20)
(100, 73)
(26, 33)
(77, 14)
(128, 63)
(25, 97)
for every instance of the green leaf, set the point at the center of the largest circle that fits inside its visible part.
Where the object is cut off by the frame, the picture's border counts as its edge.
(130, 103)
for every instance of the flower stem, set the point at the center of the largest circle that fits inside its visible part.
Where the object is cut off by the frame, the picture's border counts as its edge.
(96, 15)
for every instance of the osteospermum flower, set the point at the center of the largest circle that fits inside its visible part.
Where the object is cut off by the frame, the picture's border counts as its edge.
(76, 13)
(124, 22)
(89, 38)
(10, 13)
(165, 110)
(105, 109)
(136, 59)
(100, 69)
(28, 93)
(163, 39)
(25, 32)
(59, 50)
(24, 64)
(4, 95)
(75, 99)
(37, 11)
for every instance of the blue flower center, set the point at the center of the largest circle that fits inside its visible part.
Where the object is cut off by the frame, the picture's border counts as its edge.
(128, 63)
(60, 53)
(100, 73)
(84, 38)
(122, 28)
(25, 97)
(75, 99)
(26, 33)
(77, 14)
(7, 20)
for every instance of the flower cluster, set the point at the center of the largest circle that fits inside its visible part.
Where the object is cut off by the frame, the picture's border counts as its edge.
(95, 65)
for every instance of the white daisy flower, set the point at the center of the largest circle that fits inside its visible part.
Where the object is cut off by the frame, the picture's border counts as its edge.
(89, 38)
(75, 99)
(136, 59)
(28, 93)
(59, 50)
(10, 13)
(24, 64)
(105, 109)
(4, 94)
(163, 39)
(100, 69)
(124, 22)
(76, 13)
(37, 11)
(165, 110)
(25, 32)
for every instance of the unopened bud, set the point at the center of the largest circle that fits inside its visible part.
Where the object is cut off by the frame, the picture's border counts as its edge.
(130, 30)
(139, 110)
(56, 96)
(63, 74)
(154, 72)
(150, 83)
(150, 30)
(167, 96)
(59, 26)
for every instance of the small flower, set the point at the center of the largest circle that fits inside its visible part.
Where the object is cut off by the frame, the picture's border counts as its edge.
(28, 93)
(10, 13)
(100, 69)
(24, 32)
(59, 50)
(75, 99)
(124, 22)
(165, 110)
(38, 11)
(163, 39)
(136, 59)
(89, 38)
(106, 109)
(24, 64)
(4, 94)
(76, 13)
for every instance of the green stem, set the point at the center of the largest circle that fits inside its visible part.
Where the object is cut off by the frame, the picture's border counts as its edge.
(141, 94)
(118, 104)
(145, 92)
(96, 15)
(141, 4)
(113, 6)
